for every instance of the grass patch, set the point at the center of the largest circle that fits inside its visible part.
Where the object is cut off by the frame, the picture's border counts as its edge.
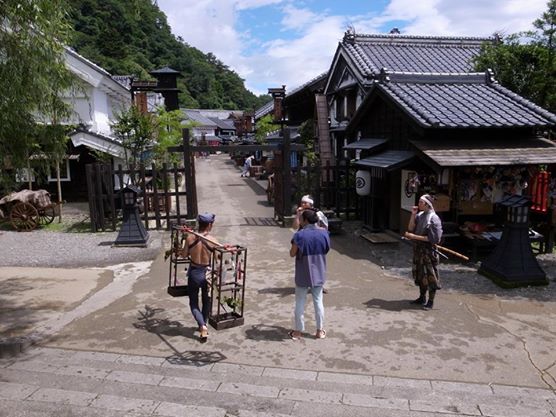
(69, 226)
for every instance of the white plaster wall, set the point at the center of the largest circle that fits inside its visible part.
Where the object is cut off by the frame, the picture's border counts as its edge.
(82, 106)
(101, 109)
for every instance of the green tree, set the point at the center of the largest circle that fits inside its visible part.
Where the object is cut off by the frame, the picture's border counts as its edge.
(546, 29)
(134, 38)
(169, 133)
(263, 127)
(136, 132)
(32, 35)
(307, 138)
(524, 62)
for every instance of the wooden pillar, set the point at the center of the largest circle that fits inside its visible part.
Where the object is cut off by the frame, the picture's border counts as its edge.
(287, 174)
(189, 165)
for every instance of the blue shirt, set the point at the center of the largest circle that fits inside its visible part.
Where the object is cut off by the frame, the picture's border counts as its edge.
(312, 244)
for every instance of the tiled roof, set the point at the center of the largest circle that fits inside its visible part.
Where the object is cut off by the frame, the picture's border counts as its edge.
(227, 124)
(318, 79)
(461, 101)
(196, 116)
(264, 110)
(371, 53)
(164, 70)
(389, 160)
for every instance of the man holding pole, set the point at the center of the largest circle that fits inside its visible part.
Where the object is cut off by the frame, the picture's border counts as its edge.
(425, 230)
(199, 247)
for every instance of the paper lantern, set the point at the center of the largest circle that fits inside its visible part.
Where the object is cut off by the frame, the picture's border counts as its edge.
(363, 182)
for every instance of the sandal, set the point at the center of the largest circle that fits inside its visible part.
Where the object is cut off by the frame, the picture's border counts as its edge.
(321, 334)
(203, 334)
(294, 335)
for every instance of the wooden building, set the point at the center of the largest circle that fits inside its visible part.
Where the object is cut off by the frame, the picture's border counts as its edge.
(412, 112)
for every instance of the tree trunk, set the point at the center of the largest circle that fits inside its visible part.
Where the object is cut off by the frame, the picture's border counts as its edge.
(59, 191)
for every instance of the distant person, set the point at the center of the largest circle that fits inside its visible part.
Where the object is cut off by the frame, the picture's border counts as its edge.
(309, 246)
(200, 251)
(204, 142)
(247, 166)
(425, 230)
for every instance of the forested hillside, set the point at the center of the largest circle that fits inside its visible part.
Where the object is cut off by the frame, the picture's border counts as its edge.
(133, 37)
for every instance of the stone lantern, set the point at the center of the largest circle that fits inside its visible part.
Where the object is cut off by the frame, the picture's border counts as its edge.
(132, 232)
(512, 263)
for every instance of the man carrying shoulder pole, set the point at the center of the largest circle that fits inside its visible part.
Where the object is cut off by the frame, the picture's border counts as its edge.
(425, 230)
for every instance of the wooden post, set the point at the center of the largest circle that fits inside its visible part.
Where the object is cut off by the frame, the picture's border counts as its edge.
(348, 190)
(287, 174)
(154, 196)
(91, 193)
(167, 199)
(99, 200)
(143, 182)
(176, 193)
(191, 195)
(112, 197)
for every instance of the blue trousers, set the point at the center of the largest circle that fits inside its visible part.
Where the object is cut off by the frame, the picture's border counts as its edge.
(300, 297)
(196, 280)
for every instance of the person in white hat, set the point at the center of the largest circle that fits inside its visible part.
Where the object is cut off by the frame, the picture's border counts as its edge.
(247, 166)
(425, 230)
(308, 203)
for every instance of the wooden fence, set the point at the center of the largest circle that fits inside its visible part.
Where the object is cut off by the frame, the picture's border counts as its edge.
(332, 188)
(160, 202)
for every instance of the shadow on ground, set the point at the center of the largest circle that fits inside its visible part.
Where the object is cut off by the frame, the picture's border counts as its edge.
(266, 332)
(281, 291)
(391, 305)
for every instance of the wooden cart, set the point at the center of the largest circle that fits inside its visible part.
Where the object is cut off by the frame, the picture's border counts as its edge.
(27, 209)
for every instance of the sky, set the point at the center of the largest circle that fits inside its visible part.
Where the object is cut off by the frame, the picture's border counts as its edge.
(271, 43)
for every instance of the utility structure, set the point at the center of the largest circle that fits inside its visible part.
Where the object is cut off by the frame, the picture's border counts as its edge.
(513, 264)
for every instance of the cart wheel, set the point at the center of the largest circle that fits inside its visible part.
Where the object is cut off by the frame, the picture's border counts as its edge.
(46, 215)
(24, 217)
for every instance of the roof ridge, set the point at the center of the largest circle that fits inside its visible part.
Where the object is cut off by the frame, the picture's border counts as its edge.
(435, 77)
(397, 38)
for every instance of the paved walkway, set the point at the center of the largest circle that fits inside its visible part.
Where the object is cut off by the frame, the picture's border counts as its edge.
(127, 347)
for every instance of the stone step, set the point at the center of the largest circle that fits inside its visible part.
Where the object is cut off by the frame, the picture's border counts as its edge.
(183, 385)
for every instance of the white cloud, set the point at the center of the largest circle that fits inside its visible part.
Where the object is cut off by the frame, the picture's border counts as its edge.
(295, 18)
(253, 4)
(464, 18)
(305, 45)
(208, 25)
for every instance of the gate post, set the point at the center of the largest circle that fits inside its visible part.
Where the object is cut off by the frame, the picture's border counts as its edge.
(286, 174)
(189, 165)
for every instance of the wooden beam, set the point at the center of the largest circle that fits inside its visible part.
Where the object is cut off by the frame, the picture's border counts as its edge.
(236, 148)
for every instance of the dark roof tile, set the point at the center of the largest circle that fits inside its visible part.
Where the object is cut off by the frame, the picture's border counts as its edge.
(461, 101)
(371, 53)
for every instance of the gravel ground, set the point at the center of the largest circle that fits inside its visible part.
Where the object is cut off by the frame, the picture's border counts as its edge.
(456, 276)
(52, 249)
(44, 248)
